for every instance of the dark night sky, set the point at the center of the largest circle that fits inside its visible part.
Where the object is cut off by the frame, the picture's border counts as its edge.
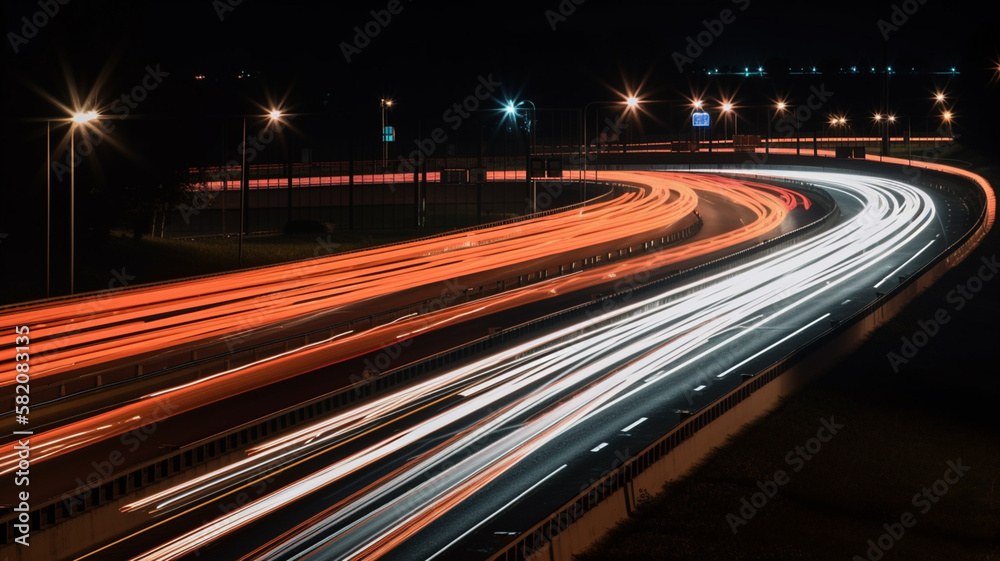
(295, 46)
(431, 55)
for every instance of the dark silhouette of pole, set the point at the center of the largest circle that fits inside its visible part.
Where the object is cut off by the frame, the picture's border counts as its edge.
(244, 186)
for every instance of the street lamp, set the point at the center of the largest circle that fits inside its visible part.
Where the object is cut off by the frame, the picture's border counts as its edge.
(630, 102)
(890, 120)
(834, 121)
(882, 129)
(48, 205)
(272, 116)
(727, 108)
(946, 117)
(511, 110)
(79, 118)
(784, 107)
(779, 107)
(940, 98)
(698, 106)
(384, 103)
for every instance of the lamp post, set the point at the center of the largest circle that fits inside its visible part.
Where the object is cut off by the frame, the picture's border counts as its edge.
(511, 110)
(909, 141)
(384, 103)
(784, 107)
(274, 115)
(48, 205)
(940, 98)
(780, 106)
(838, 122)
(244, 184)
(699, 107)
(946, 117)
(78, 118)
(727, 108)
(889, 120)
(630, 102)
(880, 128)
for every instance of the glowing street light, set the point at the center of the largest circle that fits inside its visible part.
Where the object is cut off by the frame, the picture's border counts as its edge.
(385, 103)
(882, 126)
(79, 118)
(272, 116)
(727, 108)
(586, 146)
(511, 110)
(781, 107)
(84, 117)
(838, 121)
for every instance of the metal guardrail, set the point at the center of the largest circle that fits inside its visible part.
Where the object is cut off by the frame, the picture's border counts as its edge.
(542, 534)
(513, 220)
(182, 459)
(54, 511)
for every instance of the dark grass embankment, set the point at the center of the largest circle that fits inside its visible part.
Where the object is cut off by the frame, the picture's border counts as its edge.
(900, 430)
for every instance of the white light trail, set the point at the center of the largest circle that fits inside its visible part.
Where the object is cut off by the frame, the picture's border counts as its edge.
(559, 380)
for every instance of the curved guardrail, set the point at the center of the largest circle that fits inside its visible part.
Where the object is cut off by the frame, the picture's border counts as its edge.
(177, 460)
(542, 534)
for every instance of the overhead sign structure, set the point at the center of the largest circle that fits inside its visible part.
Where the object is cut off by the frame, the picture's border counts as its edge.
(701, 119)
